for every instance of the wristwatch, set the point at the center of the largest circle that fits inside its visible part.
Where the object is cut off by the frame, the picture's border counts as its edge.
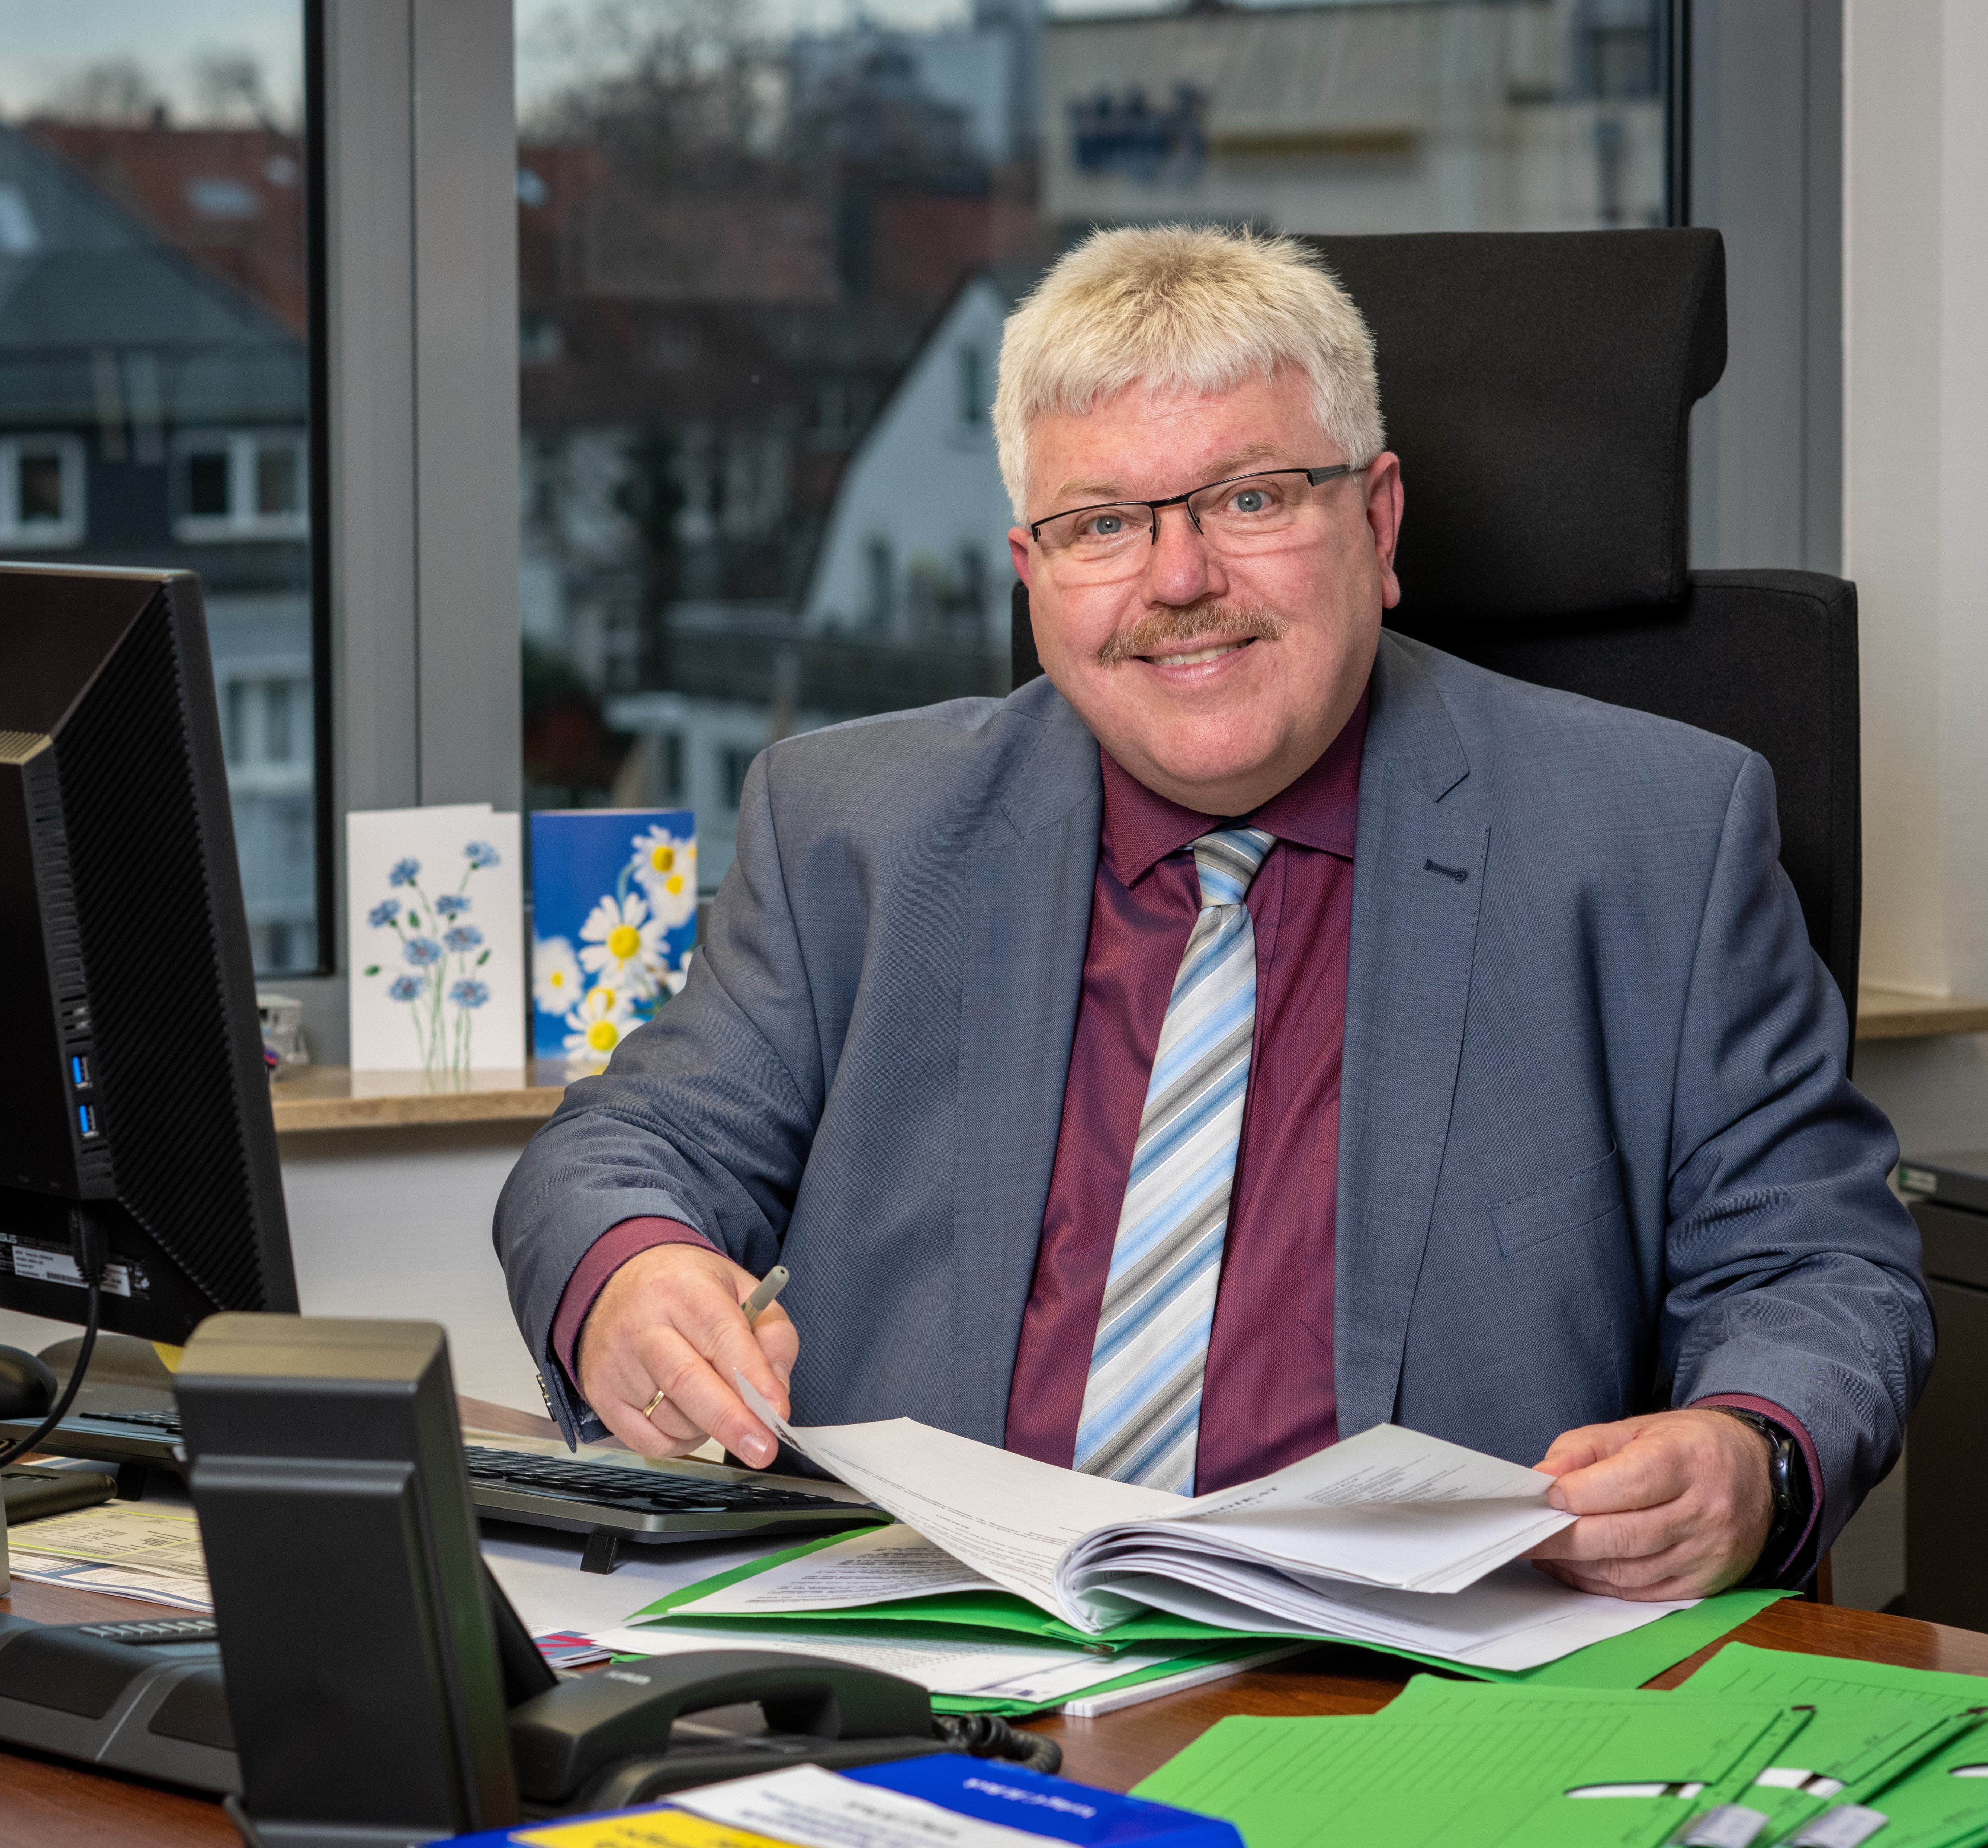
(1788, 1481)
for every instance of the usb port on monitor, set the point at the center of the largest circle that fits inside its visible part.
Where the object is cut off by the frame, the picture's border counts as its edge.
(86, 1116)
(78, 1072)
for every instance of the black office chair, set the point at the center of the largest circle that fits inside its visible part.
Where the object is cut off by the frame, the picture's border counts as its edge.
(1538, 388)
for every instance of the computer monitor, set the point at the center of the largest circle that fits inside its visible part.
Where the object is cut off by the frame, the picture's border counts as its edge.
(134, 1091)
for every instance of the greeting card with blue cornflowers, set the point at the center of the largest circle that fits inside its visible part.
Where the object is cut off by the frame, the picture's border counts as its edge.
(614, 915)
(438, 982)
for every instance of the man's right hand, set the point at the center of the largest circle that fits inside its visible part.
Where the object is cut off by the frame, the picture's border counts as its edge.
(669, 1319)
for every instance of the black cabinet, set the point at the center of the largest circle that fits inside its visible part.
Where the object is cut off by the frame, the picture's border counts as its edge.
(1946, 1484)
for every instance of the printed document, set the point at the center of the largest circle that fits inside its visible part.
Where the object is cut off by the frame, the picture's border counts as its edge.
(1349, 1541)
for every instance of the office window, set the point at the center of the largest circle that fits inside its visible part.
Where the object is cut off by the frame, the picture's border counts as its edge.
(42, 491)
(765, 254)
(156, 380)
(245, 485)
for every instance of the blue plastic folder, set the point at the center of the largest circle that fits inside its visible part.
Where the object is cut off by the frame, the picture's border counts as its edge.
(982, 1789)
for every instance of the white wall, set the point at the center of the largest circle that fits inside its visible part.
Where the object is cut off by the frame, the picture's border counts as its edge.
(396, 1223)
(1916, 529)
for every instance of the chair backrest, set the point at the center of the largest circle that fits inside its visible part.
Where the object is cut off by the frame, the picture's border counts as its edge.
(1538, 389)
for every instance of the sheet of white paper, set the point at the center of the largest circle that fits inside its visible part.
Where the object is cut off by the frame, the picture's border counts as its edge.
(873, 1567)
(1515, 1618)
(1006, 1516)
(1014, 1671)
(543, 1581)
(1387, 1507)
(817, 1809)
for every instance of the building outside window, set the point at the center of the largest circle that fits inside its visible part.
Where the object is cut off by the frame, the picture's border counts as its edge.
(43, 492)
(155, 378)
(765, 252)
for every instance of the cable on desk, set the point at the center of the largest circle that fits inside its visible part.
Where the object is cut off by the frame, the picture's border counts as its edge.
(92, 1253)
(985, 1735)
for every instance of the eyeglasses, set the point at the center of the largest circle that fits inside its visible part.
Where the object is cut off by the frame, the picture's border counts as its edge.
(1245, 513)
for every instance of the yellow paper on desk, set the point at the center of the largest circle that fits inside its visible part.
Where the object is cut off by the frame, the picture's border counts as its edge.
(659, 1828)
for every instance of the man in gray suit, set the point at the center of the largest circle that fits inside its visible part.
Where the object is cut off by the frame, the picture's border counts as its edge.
(1259, 1028)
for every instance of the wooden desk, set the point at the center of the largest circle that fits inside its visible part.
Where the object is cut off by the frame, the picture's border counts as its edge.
(46, 1803)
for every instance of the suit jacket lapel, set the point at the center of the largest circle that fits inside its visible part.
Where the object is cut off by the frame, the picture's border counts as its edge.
(1418, 870)
(1028, 896)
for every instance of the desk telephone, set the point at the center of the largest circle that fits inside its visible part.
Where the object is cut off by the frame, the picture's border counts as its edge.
(380, 1690)
(147, 1696)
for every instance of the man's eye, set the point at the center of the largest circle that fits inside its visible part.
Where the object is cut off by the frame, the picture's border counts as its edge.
(1104, 525)
(1249, 500)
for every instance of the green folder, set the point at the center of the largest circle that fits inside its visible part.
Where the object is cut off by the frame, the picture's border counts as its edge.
(1941, 1801)
(1501, 1766)
(1623, 1661)
(1873, 1724)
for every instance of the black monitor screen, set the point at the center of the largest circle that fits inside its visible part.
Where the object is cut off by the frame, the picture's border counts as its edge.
(132, 1089)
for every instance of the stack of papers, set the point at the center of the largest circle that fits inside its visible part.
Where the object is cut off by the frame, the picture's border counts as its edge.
(129, 1551)
(1390, 1539)
(1760, 1748)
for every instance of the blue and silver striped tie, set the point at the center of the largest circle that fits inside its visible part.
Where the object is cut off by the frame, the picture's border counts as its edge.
(1142, 1403)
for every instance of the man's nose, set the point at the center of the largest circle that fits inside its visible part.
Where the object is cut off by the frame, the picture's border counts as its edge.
(1181, 569)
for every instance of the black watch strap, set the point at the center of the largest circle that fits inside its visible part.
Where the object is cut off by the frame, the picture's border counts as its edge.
(1788, 1481)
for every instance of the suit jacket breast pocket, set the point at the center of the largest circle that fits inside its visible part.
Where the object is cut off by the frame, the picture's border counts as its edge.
(1585, 1200)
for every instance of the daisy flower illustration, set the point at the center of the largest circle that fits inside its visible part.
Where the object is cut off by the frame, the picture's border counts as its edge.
(557, 981)
(596, 1027)
(620, 943)
(666, 868)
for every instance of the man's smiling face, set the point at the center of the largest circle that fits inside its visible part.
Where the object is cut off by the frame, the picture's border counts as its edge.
(1216, 681)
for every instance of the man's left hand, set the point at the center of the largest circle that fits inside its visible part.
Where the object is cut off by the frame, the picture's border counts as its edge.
(1675, 1505)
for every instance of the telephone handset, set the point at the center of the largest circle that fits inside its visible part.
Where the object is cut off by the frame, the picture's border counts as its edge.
(605, 1739)
(623, 1734)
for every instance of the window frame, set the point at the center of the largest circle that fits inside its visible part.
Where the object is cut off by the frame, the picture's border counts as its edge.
(73, 459)
(242, 523)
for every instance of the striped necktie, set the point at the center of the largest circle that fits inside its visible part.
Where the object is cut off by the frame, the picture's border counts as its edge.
(1141, 1411)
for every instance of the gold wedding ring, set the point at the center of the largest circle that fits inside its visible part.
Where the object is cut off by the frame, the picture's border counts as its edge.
(649, 1410)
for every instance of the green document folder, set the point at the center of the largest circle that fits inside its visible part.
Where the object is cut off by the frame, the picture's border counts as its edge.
(1873, 1722)
(1891, 1738)
(1501, 1772)
(1623, 1661)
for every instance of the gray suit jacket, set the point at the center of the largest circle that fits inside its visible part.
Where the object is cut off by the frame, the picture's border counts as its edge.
(1597, 1152)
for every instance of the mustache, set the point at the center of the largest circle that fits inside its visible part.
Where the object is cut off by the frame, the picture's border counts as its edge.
(1165, 631)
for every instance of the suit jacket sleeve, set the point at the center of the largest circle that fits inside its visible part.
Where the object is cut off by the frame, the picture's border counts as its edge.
(1792, 1271)
(706, 1115)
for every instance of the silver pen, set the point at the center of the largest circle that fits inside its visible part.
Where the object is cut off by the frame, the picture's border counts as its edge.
(769, 1286)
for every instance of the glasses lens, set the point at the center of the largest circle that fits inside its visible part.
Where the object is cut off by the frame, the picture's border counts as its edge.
(1238, 514)
(1097, 538)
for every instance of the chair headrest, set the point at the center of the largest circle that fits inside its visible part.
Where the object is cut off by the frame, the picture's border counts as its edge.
(1538, 388)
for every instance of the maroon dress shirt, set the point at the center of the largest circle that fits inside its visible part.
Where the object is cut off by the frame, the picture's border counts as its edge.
(1267, 1398)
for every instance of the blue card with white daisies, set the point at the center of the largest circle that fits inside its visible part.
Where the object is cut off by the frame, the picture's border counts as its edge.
(614, 914)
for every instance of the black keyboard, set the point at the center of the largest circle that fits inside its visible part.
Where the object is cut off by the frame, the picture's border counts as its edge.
(166, 1424)
(611, 1504)
(651, 1491)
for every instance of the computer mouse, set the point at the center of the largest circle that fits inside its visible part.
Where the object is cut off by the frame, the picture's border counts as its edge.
(27, 1387)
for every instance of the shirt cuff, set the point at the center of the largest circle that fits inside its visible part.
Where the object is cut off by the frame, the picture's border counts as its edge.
(1766, 1408)
(603, 1257)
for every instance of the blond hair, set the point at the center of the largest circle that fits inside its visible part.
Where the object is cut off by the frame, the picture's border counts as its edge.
(1182, 308)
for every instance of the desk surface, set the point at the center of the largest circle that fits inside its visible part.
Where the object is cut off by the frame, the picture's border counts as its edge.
(50, 1804)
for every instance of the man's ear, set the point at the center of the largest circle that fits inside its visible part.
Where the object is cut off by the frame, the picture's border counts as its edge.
(1383, 521)
(1018, 550)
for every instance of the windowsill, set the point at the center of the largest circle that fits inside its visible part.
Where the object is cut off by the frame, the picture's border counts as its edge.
(1885, 1013)
(334, 1097)
(315, 1097)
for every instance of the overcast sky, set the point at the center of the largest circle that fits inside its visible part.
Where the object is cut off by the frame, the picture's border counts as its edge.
(42, 44)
